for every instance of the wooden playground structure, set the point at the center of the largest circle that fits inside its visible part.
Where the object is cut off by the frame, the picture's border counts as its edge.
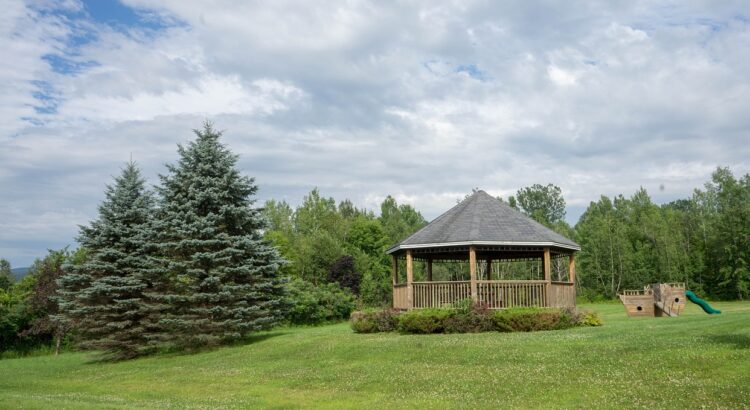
(659, 299)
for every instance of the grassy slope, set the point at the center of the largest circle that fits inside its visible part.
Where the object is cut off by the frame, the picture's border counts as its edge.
(691, 361)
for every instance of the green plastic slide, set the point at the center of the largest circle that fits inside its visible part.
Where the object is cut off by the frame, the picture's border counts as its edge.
(702, 303)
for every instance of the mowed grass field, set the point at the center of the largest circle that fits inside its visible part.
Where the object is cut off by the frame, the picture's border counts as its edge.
(694, 361)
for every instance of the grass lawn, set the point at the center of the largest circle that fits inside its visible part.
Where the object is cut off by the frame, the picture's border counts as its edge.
(692, 361)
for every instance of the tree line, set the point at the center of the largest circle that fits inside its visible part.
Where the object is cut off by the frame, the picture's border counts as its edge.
(703, 240)
(196, 262)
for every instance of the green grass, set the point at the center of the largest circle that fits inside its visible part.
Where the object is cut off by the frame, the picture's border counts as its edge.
(692, 361)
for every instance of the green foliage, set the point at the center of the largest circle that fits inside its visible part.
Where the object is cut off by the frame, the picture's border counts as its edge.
(399, 221)
(703, 241)
(374, 321)
(15, 316)
(43, 300)
(29, 308)
(589, 318)
(219, 277)
(318, 235)
(727, 200)
(532, 319)
(367, 236)
(6, 276)
(543, 203)
(469, 317)
(105, 296)
(310, 304)
(424, 320)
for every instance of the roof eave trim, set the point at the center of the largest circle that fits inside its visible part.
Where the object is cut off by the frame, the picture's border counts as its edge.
(489, 243)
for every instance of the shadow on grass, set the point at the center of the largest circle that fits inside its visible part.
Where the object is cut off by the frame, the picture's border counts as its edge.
(100, 358)
(735, 340)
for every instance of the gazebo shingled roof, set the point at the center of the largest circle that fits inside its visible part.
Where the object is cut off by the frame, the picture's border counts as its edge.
(482, 219)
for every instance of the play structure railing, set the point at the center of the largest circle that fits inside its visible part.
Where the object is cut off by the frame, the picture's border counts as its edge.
(496, 294)
(636, 292)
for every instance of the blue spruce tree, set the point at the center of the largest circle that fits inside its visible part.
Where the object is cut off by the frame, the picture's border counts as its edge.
(102, 298)
(219, 276)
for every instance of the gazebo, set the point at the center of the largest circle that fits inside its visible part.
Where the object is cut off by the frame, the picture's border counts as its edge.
(513, 261)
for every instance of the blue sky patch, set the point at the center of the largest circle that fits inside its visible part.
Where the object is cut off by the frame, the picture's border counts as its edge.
(68, 66)
(473, 71)
(118, 15)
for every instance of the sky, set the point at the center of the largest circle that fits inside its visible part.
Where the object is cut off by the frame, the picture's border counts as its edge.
(422, 100)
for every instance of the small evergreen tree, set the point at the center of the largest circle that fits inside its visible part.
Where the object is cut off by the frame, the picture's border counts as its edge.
(220, 275)
(103, 296)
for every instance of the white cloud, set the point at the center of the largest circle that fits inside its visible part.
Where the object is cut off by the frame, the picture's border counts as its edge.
(560, 76)
(209, 96)
(420, 101)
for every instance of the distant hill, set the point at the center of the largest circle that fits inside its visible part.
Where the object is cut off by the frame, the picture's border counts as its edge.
(19, 273)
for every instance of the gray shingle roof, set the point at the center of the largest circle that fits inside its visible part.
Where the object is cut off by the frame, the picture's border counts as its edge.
(484, 220)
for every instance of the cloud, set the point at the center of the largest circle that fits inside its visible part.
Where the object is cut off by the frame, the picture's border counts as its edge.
(419, 100)
(209, 96)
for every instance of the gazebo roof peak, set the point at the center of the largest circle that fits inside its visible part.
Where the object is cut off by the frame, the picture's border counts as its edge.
(482, 219)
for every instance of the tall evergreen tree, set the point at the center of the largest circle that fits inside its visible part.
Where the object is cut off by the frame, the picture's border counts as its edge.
(103, 297)
(220, 275)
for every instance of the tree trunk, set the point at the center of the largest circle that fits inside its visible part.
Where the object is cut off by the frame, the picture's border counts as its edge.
(58, 341)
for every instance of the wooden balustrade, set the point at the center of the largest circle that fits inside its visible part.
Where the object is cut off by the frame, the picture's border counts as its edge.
(400, 296)
(563, 294)
(500, 294)
(497, 294)
(437, 294)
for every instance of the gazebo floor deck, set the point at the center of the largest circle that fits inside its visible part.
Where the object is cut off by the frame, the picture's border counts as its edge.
(496, 294)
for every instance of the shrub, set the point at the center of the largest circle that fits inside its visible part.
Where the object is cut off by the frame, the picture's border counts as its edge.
(532, 319)
(589, 318)
(374, 321)
(311, 304)
(471, 318)
(424, 321)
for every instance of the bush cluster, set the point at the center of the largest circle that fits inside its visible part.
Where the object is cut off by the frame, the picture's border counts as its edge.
(374, 321)
(310, 304)
(471, 318)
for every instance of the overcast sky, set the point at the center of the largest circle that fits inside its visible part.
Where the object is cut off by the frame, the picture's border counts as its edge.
(420, 100)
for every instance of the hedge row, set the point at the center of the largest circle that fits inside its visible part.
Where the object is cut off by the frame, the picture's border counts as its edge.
(473, 319)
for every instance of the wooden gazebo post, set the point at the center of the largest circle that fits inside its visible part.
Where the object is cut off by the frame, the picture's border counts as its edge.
(572, 267)
(394, 269)
(409, 279)
(547, 275)
(473, 272)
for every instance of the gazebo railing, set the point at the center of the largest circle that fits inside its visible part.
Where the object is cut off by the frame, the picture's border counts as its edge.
(499, 294)
(563, 294)
(400, 296)
(437, 294)
(496, 294)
